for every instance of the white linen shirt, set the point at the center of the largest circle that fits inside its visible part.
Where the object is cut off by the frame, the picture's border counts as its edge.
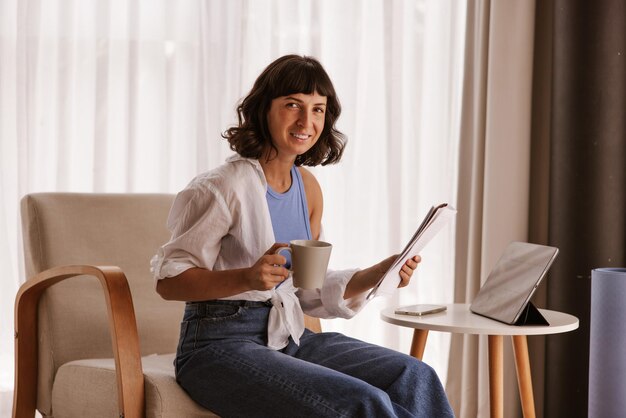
(221, 221)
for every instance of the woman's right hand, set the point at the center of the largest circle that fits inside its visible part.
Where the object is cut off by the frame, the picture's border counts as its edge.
(268, 271)
(198, 284)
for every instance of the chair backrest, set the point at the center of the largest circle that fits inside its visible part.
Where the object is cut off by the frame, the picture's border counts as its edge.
(123, 230)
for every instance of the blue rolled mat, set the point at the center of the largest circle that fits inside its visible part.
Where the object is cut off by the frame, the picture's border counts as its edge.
(607, 348)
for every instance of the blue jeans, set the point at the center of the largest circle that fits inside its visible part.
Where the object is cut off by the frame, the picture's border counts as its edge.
(224, 364)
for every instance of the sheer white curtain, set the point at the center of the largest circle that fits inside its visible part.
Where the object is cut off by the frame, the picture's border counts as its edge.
(494, 177)
(131, 96)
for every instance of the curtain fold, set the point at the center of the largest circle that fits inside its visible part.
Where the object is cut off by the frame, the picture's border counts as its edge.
(493, 180)
(538, 227)
(464, 389)
(131, 96)
(587, 180)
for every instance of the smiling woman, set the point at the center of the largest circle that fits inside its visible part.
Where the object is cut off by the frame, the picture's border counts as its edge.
(227, 226)
(296, 123)
(112, 96)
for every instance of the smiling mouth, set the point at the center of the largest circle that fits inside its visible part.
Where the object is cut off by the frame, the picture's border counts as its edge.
(301, 137)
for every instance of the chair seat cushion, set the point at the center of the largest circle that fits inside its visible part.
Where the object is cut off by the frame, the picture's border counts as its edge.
(88, 388)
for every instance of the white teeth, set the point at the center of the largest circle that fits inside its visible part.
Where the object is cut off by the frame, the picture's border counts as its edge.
(300, 136)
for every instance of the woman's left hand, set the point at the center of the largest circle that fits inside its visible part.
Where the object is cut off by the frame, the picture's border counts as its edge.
(407, 270)
(366, 279)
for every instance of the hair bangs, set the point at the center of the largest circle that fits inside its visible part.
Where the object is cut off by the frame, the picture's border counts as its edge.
(304, 77)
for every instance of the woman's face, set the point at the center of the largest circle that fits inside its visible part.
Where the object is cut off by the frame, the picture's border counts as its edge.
(296, 122)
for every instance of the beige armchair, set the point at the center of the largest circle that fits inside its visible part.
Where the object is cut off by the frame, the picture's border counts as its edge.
(92, 337)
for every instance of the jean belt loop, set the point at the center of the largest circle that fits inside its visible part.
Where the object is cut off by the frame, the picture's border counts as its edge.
(201, 309)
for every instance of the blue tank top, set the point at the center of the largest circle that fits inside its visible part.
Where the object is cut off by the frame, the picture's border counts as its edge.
(289, 211)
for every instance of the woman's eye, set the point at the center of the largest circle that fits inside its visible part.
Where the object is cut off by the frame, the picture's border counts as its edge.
(319, 109)
(292, 105)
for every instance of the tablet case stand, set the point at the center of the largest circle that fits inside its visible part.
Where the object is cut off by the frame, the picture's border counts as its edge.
(531, 316)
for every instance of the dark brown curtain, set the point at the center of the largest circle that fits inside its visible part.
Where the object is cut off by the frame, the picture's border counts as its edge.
(579, 144)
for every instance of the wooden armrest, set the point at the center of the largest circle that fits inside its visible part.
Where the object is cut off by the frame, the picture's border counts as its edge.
(123, 327)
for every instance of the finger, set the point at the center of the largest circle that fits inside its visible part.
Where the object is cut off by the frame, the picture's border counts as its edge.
(275, 247)
(410, 263)
(413, 262)
(271, 281)
(404, 279)
(408, 269)
(274, 269)
(275, 259)
(281, 272)
(272, 277)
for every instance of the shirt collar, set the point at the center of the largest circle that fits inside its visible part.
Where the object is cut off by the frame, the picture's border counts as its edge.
(253, 161)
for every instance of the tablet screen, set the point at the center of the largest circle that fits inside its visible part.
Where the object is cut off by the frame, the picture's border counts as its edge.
(513, 281)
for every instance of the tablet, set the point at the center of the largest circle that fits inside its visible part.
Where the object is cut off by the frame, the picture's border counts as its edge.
(505, 295)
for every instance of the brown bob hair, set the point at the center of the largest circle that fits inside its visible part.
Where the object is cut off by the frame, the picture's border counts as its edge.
(287, 75)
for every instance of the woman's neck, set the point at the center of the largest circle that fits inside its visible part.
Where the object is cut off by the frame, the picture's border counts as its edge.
(277, 172)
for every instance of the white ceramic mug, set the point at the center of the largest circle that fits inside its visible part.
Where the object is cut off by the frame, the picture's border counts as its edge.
(309, 261)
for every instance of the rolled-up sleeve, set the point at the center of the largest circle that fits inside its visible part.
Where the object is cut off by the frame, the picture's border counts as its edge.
(199, 219)
(328, 302)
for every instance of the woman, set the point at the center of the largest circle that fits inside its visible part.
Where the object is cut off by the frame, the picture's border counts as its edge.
(243, 350)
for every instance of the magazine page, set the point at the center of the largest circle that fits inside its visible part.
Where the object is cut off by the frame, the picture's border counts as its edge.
(435, 220)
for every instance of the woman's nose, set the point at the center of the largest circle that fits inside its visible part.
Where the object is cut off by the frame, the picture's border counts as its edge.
(305, 119)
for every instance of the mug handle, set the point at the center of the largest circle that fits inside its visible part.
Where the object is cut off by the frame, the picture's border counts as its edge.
(284, 249)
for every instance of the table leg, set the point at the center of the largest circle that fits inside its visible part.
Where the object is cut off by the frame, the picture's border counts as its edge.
(419, 343)
(496, 377)
(524, 381)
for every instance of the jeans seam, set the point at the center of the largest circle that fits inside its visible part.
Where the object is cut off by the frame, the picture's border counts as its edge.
(183, 335)
(195, 335)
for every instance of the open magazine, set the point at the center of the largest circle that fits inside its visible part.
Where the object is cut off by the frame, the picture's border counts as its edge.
(437, 217)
